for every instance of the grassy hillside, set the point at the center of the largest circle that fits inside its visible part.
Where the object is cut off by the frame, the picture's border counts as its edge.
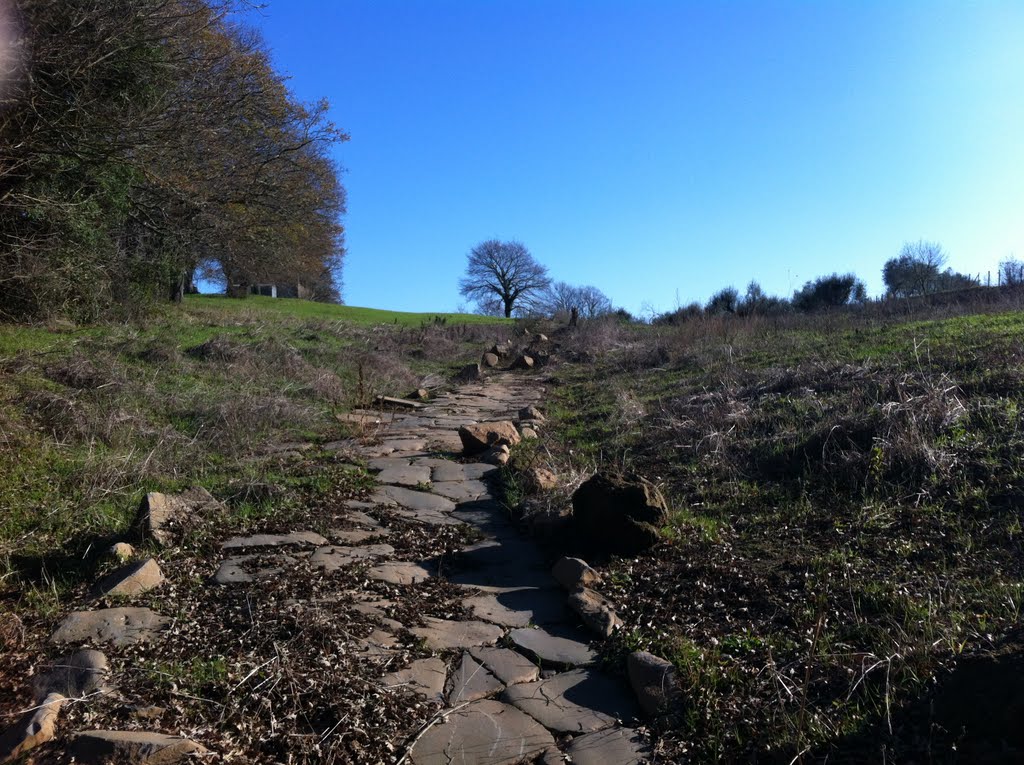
(843, 570)
(94, 416)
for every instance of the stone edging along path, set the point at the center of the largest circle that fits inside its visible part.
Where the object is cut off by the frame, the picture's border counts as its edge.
(523, 686)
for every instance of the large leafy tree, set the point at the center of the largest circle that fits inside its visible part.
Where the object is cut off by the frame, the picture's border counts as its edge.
(502, 277)
(142, 138)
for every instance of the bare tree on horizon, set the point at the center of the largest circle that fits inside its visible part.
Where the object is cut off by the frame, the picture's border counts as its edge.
(502, 275)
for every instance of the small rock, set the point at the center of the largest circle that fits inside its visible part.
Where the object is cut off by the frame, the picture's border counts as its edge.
(540, 338)
(161, 516)
(618, 515)
(654, 681)
(133, 579)
(595, 610)
(122, 551)
(528, 432)
(540, 479)
(531, 413)
(35, 728)
(421, 394)
(497, 455)
(573, 573)
(480, 436)
(523, 362)
(100, 747)
(490, 360)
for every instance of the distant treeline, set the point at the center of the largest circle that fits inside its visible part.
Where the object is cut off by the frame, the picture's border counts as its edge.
(915, 277)
(143, 140)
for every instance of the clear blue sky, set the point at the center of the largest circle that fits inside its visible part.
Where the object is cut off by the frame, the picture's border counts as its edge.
(662, 150)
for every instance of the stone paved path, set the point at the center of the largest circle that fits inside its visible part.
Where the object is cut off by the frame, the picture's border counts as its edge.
(516, 681)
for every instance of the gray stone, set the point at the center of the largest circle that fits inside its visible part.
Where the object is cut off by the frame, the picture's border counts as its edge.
(295, 538)
(507, 665)
(561, 649)
(518, 608)
(612, 746)
(578, 701)
(133, 579)
(461, 491)
(413, 500)
(160, 516)
(106, 746)
(386, 463)
(404, 403)
(398, 573)
(485, 732)
(478, 470)
(483, 435)
(440, 634)
(356, 515)
(118, 626)
(355, 537)
(531, 413)
(619, 515)
(653, 680)
(409, 475)
(447, 471)
(423, 676)
(497, 455)
(332, 558)
(595, 610)
(469, 681)
(75, 676)
(240, 569)
(573, 573)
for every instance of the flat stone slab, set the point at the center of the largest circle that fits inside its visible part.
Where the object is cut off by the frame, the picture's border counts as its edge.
(413, 500)
(409, 475)
(356, 536)
(386, 463)
(332, 557)
(560, 649)
(469, 681)
(423, 676)
(398, 573)
(445, 471)
(406, 444)
(239, 569)
(612, 746)
(519, 608)
(440, 634)
(461, 491)
(118, 626)
(356, 515)
(485, 732)
(299, 538)
(102, 746)
(505, 664)
(133, 579)
(578, 701)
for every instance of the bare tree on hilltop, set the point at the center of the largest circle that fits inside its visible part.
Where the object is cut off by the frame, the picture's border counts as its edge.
(503, 276)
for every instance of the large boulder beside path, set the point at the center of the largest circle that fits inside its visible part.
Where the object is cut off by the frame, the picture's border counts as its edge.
(615, 514)
(481, 436)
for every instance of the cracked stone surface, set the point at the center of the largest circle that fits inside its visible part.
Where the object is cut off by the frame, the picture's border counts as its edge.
(398, 573)
(117, 626)
(614, 746)
(332, 558)
(485, 732)
(469, 681)
(298, 538)
(551, 648)
(507, 665)
(408, 475)
(239, 569)
(424, 676)
(440, 634)
(420, 501)
(133, 579)
(579, 701)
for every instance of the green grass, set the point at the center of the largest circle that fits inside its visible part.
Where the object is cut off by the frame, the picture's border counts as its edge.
(305, 309)
(845, 519)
